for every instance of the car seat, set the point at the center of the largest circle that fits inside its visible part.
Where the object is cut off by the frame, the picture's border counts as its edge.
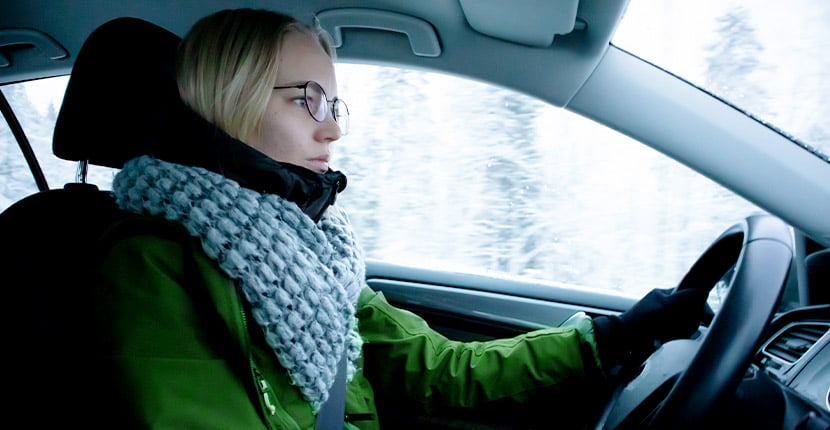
(121, 101)
(119, 94)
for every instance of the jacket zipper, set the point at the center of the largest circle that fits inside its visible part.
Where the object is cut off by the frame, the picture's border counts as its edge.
(269, 399)
(265, 390)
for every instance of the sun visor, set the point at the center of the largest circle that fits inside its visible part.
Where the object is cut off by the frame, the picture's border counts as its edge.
(527, 22)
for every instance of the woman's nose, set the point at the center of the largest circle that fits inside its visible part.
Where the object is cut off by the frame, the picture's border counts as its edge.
(329, 129)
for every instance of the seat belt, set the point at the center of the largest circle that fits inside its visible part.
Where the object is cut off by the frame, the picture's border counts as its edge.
(332, 414)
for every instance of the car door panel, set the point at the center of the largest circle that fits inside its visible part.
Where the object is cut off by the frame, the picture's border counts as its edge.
(475, 307)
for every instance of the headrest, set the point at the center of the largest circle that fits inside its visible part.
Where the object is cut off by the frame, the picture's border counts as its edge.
(122, 89)
(122, 101)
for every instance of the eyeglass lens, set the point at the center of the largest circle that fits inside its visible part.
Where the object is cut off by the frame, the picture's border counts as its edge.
(318, 106)
(315, 99)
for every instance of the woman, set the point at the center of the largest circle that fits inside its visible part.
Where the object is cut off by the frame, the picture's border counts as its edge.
(230, 301)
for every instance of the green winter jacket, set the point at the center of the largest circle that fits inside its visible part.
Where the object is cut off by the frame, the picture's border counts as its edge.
(177, 348)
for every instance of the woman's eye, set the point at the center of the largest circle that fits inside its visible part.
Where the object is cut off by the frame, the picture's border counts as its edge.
(300, 101)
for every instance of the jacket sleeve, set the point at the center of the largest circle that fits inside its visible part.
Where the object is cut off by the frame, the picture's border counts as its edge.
(165, 348)
(400, 347)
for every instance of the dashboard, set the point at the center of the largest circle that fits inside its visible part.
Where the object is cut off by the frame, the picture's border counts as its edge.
(794, 367)
(788, 383)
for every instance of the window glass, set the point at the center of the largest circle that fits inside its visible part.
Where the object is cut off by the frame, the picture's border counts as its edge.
(36, 105)
(768, 58)
(16, 181)
(455, 174)
(37, 121)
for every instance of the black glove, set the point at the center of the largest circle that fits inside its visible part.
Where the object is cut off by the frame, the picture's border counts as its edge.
(660, 316)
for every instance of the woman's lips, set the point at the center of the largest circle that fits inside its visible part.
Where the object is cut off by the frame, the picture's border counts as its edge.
(319, 164)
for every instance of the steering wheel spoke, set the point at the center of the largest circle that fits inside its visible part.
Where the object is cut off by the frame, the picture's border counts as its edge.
(641, 396)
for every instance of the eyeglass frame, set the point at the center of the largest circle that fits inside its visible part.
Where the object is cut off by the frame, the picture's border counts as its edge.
(329, 104)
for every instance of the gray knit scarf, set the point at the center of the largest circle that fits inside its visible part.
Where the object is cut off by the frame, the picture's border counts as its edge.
(301, 279)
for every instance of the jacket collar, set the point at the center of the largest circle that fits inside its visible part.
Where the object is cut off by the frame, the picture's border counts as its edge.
(196, 142)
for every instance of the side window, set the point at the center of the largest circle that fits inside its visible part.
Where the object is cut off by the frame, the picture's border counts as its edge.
(36, 105)
(16, 181)
(454, 174)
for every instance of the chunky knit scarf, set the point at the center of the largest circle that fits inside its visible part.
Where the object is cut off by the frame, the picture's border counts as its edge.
(301, 279)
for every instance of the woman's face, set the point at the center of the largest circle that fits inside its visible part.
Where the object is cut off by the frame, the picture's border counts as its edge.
(289, 134)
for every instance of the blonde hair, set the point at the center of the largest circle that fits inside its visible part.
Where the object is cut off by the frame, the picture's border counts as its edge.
(227, 65)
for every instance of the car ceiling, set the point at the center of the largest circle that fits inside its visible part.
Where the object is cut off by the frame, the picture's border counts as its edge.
(570, 57)
(578, 70)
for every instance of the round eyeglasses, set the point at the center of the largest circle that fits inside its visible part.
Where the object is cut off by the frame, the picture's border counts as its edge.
(318, 105)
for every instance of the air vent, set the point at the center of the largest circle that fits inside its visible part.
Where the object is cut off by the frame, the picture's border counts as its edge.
(795, 340)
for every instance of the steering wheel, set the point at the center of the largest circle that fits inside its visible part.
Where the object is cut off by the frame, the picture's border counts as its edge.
(682, 382)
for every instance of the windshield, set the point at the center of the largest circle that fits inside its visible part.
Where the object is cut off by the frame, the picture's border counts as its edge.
(767, 58)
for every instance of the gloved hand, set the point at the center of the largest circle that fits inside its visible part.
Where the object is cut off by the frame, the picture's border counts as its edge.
(662, 315)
